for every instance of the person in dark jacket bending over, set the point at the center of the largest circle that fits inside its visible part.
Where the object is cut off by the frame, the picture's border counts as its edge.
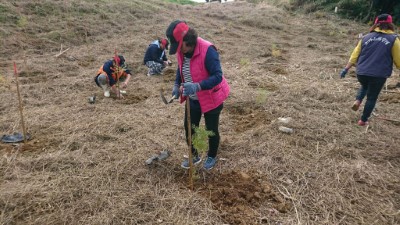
(374, 55)
(199, 80)
(155, 58)
(111, 73)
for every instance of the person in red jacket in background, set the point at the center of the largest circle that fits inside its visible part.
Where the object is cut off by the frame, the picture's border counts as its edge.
(111, 73)
(199, 80)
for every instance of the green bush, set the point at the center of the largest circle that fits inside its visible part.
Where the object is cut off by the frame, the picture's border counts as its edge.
(200, 138)
(7, 15)
(396, 14)
(183, 2)
(364, 10)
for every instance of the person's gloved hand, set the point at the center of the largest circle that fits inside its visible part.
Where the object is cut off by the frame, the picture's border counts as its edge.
(175, 91)
(190, 88)
(343, 73)
(124, 84)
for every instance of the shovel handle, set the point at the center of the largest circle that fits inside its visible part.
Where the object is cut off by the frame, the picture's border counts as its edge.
(162, 97)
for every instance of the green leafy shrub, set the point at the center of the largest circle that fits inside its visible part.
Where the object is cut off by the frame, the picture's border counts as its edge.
(396, 14)
(244, 62)
(22, 21)
(262, 95)
(200, 138)
(7, 15)
(182, 2)
(364, 10)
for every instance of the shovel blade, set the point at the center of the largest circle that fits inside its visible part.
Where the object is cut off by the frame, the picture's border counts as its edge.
(160, 157)
(172, 99)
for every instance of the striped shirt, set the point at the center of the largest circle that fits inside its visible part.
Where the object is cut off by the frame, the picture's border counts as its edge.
(187, 76)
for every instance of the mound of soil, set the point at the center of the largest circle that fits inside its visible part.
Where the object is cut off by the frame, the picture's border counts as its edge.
(237, 195)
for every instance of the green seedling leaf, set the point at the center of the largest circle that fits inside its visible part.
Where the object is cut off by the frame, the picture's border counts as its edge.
(22, 21)
(200, 138)
(261, 96)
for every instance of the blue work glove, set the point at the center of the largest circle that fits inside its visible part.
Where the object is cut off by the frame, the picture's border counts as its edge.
(343, 73)
(190, 88)
(175, 91)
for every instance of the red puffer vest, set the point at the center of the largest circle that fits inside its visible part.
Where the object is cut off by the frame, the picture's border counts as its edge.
(209, 99)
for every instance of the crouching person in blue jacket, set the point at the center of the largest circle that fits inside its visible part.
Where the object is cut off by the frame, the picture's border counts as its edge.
(155, 58)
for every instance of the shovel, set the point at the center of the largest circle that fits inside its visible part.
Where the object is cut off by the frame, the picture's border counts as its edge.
(92, 99)
(164, 99)
(15, 138)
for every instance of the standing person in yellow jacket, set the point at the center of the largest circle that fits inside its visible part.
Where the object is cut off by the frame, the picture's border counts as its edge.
(112, 72)
(374, 56)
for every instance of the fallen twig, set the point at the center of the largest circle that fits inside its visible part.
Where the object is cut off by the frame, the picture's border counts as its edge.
(287, 195)
(397, 92)
(59, 54)
(366, 129)
(386, 91)
(387, 119)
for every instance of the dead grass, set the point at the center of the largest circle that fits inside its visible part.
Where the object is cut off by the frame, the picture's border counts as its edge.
(85, 164)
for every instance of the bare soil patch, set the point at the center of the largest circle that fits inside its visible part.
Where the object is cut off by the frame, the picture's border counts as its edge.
(238, 195)
(135, 97)
(247, 116)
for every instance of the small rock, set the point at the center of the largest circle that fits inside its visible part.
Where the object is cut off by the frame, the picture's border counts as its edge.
(286, 129)
(285, 119)
(245, 176)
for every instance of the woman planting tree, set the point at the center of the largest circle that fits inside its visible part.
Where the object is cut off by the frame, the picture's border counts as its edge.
(199, 80)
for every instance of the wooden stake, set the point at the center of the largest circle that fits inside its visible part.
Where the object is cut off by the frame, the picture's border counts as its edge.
(189, 127)
(20, 102)
(387, 119)
(117, 72)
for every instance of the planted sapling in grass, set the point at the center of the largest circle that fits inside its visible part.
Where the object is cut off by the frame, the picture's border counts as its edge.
(262, 95)
(275, 51)
(200, 142)
(200, 139)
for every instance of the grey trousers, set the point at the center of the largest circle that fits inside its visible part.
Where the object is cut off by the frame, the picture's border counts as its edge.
(154, 67)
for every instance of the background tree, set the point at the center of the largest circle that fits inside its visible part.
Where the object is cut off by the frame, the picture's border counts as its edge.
(364, 10)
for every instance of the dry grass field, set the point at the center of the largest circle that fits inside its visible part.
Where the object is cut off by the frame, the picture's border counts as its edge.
(85, 163)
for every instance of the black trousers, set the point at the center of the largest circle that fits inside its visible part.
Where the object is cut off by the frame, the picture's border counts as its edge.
(212, 122)
(371, 87)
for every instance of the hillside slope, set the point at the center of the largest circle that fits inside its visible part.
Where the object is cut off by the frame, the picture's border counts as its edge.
(85, 163)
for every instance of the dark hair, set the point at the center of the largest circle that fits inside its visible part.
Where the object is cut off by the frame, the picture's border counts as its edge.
(382, 26)
(120, 59)
(190, 37)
